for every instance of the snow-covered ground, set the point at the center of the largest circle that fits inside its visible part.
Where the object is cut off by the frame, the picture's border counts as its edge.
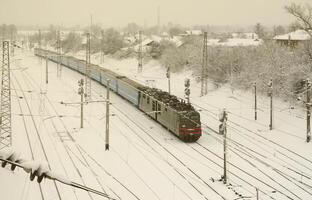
(145, 161)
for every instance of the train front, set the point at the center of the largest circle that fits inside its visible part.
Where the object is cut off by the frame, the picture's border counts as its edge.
(190, 126)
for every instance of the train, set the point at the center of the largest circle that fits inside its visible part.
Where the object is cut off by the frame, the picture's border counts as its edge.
(177, 116)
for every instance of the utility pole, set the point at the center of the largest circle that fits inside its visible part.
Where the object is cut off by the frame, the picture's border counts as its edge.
(140, 53)
(102, 47)
(81, 92)
(255, 88)
(308, 104)
(107, 117)
(88, 71)
(58, 46)
(223, 130)
(47, 68)
(5, 119)
(158, 19)
(187, 90)
(168, 76)
(204, 71)
(12, 43)
(271, 103)
(39, 44)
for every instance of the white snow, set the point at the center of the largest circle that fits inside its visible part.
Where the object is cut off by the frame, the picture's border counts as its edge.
(144, 158)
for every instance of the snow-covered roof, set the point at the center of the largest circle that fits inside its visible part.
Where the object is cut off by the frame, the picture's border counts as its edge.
(194, 32)
(156, 38)
(130, 39)
(165, 34)
(296, 35)
(235, 42)
(145, 44)
(245, 35)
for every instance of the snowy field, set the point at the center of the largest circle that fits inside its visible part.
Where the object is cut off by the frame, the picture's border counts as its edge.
(145, 161)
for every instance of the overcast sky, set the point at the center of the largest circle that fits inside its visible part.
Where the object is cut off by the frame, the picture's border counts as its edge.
(120, 12)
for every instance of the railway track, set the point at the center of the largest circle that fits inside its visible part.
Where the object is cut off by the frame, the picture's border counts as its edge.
(68, 151)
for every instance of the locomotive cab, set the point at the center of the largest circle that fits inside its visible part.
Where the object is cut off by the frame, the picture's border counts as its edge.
(189, 127)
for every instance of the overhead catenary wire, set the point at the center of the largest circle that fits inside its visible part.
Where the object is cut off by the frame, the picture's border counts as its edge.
(28, 141)
(67, 132)
(66, 150)
(39, 137)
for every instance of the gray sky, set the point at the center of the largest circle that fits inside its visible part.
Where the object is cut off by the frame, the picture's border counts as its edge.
(120, 12)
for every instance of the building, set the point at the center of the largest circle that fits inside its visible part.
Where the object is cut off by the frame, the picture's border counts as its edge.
(234, 42)
(292, 39)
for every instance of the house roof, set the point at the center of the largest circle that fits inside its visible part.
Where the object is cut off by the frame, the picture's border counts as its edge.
(296, 35)
(232, 42)
(245, 35)
(194, 32)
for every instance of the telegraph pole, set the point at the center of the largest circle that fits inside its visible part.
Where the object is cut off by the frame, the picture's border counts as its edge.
(81, 92)
(88, 71)
(308, 104)
(39, 44)
(58, 46)
(223, 130)
(271, 103)
(140, 53)
(5, 119)
(102, 47)
(12, 43)
(255, 88)
(47, 68)
(257, 193)
(107, 117)
(39, 39)
(187, 90)
(204, 81)
(168, 76)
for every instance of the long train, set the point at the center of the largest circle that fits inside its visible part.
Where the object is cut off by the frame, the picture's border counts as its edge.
(178, 117)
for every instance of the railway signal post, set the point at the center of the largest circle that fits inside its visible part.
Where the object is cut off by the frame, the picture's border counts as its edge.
(308, 105)
(255, 88)
(223, 131)
(107, 117)
(81, 92)
(270, 85)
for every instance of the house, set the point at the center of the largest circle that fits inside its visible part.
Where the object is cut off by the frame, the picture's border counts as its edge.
(292, 39)
(146, 45)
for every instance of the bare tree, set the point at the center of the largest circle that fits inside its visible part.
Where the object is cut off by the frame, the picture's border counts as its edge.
(303, 15)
